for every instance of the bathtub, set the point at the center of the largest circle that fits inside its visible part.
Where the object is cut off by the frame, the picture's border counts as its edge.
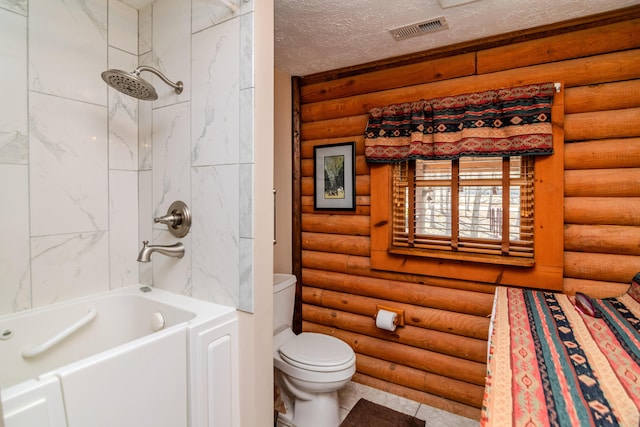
(135, 356)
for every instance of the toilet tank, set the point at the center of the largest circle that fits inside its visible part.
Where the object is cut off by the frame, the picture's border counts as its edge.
(284, 293)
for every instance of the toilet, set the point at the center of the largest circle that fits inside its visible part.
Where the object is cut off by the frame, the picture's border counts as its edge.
(309, 368)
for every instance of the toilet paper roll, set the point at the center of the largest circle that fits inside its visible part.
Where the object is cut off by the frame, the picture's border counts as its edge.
(385, 319)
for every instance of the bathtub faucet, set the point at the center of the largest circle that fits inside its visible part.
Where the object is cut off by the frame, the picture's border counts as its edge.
(176, 250)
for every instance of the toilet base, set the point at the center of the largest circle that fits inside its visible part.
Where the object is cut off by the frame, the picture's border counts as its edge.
(321, 411)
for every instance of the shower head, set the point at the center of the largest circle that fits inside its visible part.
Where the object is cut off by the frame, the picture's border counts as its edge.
(133, 85)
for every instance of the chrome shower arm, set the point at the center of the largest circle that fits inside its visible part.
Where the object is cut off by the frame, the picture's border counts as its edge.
(178, 86)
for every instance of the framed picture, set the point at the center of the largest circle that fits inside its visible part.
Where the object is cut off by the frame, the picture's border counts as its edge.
(334, 176)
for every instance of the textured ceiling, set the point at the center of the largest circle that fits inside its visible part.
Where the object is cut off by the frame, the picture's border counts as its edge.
(312, 36)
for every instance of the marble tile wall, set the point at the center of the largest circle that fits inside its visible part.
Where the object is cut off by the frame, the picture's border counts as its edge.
(202, 143)
(15, 272)
(85, 169)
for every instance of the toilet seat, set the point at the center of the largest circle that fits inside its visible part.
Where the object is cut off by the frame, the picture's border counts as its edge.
(317, 352)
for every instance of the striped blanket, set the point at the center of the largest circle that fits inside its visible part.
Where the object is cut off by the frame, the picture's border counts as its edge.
(551, 365)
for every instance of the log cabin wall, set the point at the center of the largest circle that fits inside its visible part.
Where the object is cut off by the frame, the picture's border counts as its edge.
(438, 358)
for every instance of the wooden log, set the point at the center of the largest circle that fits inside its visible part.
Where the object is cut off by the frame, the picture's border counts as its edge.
(338, 263)
(603, 154)
(361, 201)
(602, 183)
(338, 224)
(362, 167)
(440, 342)
(360, 210)
(308, 146)
(296, 241)
(459, 391)
(418, 396)
(429, 361)
(603, 267)
(422, 72)
(335, 128)
(361, 266)
(607, 239)
(602, 210)
(602, 124)
(616, 66)
(363, 185)
(594, 288)
(604, 96)
(336, 243)
(459, 301)
(591, 41)
(428, 318)
(362, 206)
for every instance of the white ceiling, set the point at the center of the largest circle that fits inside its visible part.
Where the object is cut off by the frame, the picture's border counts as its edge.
(312, 36)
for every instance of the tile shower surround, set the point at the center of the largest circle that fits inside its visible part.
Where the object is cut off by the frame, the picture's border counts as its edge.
(85, 169)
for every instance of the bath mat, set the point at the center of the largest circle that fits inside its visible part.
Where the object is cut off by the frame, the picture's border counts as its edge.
(369, 414)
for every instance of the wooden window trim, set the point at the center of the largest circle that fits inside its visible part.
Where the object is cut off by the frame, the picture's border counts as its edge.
(496, 251)
(547, 271)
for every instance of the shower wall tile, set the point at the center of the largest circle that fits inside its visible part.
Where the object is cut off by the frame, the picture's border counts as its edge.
(246, 51)
(247, 130)
(172, 274)
(123, 228)
(246, 275)
(171, 157)
(69, 266)
(145, 139)
(68, 166)
(14, 145)
(171, 48)
(205, 13)
(145, 122)
(76, 176)
(15, 292)
(17, 6)
(123, 27)
(66, 59)
(145, 221)
(123, 118)
(246, 200)
(215, 234)
(216, 103)
(145, 17)
(246, 236)
(247, 6)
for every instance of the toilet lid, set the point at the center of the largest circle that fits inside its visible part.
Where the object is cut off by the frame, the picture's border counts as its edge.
(317, 351)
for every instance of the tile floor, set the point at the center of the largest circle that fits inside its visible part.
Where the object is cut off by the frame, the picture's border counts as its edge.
(353, 391)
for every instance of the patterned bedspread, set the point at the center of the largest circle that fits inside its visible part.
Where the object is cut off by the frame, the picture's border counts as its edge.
(551, 365)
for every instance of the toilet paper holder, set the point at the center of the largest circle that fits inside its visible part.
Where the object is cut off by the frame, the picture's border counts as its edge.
(398, 321)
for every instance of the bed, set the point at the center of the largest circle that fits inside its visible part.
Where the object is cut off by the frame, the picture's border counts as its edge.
(550, 364)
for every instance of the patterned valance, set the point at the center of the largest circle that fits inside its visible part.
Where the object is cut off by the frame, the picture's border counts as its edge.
(503, 122)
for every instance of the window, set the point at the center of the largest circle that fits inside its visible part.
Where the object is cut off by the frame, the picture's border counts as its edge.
(543, 271)
(477, 205)
(471, 219)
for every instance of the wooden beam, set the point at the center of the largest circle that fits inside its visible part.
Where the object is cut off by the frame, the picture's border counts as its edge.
(296, 207)
(603, 154)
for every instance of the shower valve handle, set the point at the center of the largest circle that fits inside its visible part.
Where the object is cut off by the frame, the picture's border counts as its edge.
(177, 219)
(172, 219)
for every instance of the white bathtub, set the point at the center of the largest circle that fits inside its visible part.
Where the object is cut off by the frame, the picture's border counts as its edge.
(119, 365)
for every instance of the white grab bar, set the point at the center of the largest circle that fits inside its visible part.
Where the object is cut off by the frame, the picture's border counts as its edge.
(41, 348)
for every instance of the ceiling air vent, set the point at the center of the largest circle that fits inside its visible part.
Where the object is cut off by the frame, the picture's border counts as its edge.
(420, 28)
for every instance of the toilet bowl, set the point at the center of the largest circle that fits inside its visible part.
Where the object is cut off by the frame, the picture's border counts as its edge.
(312, 368)
(309, 368)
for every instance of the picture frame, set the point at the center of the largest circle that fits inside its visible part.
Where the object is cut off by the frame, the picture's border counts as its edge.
(334, 177)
